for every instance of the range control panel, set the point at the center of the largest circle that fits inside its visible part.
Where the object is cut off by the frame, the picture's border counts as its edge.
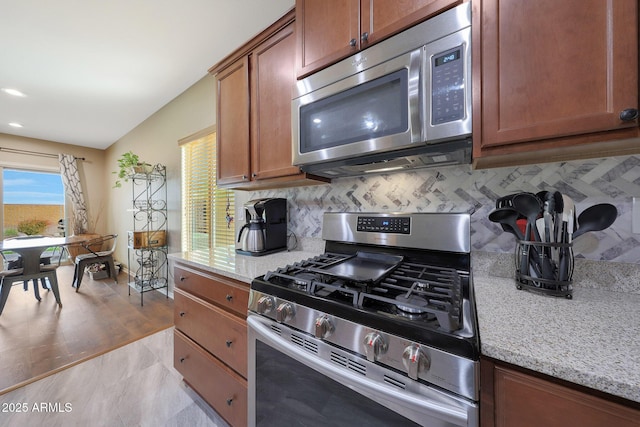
(401, 225)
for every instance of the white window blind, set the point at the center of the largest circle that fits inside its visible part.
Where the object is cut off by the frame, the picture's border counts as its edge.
(207, 211)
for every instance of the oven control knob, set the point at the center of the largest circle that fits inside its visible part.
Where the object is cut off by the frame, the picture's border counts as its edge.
(415, 361)
(324, 327)
(374, 346)
(285, 312)
(265, 305)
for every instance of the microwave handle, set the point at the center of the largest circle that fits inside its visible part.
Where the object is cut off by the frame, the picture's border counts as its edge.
(415, 89)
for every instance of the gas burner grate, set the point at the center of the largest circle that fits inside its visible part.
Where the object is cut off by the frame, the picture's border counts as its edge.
(412, 290)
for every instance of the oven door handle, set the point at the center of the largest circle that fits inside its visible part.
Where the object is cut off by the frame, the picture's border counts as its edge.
(448, 410)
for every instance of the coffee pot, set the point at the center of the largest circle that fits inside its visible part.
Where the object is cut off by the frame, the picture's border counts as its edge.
(252, 234)
(265, 230)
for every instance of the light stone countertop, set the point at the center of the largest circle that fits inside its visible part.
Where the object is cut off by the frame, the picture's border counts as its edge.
(240, 267)
(592, 339)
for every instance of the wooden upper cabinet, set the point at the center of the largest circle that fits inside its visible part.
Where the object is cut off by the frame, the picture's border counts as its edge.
(272, 79)
(233, 123)
(331, 30)
(550, 69)
(328, 31)
(255, 85)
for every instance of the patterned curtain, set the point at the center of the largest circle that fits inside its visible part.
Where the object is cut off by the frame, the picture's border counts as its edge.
(73, 188)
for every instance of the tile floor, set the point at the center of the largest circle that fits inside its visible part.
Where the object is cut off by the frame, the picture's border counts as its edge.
(135, 385)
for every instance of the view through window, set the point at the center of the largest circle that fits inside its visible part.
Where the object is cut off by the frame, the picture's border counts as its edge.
(33, 203)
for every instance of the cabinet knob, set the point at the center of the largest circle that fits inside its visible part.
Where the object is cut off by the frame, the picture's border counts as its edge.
(629, 115)
(244, 177)
(364, 37)
(352, 42)
(182, 359)
(254, 175)
(182, 278)
(182, 313)
(230, 401)
(229, 342)
(228, 297)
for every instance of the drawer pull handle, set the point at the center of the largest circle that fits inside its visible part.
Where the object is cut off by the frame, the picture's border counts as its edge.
(230, 401)
(182, 278)
(229, 297)
(182, 359)
(229, 342)
(629, 115)
(182, 313)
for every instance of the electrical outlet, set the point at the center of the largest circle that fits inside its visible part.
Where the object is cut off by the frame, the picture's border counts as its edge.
(635, 216)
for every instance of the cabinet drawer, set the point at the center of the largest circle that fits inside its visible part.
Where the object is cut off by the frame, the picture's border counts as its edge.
(222, 334)
(223, 389)
(226, 293)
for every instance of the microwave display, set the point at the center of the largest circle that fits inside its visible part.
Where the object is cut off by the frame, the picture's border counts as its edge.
(443, 59)
(447, 90)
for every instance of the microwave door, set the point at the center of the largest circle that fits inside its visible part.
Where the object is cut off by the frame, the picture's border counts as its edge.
(376, 110)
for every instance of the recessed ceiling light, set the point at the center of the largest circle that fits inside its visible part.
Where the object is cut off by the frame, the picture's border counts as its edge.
(13, 92)
(15, 125)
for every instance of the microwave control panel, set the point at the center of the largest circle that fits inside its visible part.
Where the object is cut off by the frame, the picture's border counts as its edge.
(401, 225)
(447, 86)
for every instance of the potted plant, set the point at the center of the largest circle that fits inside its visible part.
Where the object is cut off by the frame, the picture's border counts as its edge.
(128, 164)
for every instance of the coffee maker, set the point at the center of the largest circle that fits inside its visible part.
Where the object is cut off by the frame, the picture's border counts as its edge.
(265, 231)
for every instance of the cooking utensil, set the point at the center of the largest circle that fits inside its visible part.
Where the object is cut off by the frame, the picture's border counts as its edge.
(507, 217)
(557, 221)
(596, 218)
(528, 205)
(549, 209)
(567, 231)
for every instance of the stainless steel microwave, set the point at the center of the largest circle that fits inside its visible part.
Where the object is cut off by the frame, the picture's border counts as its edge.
(401, 104)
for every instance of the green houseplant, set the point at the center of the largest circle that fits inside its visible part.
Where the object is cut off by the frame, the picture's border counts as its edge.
(128, 164)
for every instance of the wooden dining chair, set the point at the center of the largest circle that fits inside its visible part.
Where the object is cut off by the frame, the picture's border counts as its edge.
(100, 251)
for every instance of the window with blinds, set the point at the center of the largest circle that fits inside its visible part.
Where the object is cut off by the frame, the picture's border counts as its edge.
(207, 211)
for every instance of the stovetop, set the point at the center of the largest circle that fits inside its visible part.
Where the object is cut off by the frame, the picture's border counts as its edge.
(426, 298)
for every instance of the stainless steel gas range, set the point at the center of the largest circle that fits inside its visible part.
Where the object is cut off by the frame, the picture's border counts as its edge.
(379, 330)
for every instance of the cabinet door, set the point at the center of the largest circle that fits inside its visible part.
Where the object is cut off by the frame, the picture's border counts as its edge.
(382, 18)
(218, 385)
(221, 291)
(233, 123)
(328, 31)
(553, 69)
(220, 333)
(522, 400)
(272, 80)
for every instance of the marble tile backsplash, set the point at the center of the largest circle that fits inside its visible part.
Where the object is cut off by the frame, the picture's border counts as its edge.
(614, 180)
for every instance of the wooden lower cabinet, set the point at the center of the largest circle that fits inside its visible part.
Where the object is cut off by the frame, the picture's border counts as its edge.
(511, 397)
(213, 329)
(210, 343)
(221, 387)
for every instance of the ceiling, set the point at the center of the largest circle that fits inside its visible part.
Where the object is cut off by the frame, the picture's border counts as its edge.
(93, 70)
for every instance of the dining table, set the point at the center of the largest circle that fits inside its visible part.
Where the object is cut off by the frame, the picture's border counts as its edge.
(30, 250)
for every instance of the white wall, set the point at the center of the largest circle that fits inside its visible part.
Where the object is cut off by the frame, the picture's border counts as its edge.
(156, 141)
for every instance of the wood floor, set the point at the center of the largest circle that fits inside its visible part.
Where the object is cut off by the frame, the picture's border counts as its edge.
(39, 338)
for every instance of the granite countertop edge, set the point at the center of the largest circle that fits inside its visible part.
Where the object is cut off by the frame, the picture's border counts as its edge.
(581, 340)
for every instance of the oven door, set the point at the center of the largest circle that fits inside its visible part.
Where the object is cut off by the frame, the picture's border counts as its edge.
(297, 380)
(376, 110)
